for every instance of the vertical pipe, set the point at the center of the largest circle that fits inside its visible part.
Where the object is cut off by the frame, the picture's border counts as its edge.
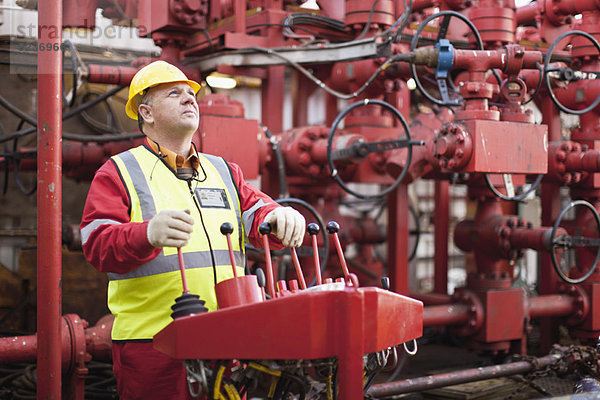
(547, 278)
(49, 199)
(273, 98)
(442, 226)
(398, 239)
(239, 11)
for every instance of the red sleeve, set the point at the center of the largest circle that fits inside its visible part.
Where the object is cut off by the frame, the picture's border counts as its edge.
(249, 196)
(112, 243)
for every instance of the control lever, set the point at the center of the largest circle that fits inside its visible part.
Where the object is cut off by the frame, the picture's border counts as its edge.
(182, 270)
(333, 228)
(187, 303)
(262, 280)
(385, 283)
(313, 230)
(238, 290)
(298, 268)
(265, 229)
(227, 230)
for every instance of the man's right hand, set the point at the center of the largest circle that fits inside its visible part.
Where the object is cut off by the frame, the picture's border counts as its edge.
(170, 228)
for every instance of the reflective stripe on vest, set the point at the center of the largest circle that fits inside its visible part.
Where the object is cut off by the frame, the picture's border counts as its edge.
(197, 259)
(141, 299)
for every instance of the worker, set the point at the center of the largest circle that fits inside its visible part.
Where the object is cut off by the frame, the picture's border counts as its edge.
(145, 203)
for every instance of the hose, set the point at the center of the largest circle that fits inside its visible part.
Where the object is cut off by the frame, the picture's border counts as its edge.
(24, 132)
(283, 189)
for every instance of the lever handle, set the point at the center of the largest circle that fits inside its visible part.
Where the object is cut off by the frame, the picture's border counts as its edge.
(298, 268)
(313, 230)
(227, 229)
(182, 269)
(264, 229)
(260, 277)
(385, 283)
(333, 228)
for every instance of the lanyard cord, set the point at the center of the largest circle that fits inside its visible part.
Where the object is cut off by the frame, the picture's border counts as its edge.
(212, 254)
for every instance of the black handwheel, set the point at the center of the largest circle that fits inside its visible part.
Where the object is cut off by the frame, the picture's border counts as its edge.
(362, 149)
(324, 253)
(442, 83)
(416, 231)
(568, 242)
(510, 189)
(302, 250)
(66, 101)
(568, 75)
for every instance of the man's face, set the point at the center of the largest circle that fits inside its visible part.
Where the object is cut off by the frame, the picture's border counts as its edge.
(174, 108)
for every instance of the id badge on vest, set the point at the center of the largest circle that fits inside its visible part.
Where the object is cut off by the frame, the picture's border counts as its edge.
(212, 198)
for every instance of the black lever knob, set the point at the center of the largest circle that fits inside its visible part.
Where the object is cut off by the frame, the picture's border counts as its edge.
(260, 277)
(264, 228)
(227, 228)
(333, 227)
(313, 228)
(385, 283)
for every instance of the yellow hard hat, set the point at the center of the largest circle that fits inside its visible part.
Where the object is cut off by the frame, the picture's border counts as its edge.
(151, 75)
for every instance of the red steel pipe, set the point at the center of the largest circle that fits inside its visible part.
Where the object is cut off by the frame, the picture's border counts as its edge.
(554, 10)
(553, 305)
(110, 74)
(49, 200)
(457, 377)
(446, 314)
(442, 227)
(527, 13)
(96, 340)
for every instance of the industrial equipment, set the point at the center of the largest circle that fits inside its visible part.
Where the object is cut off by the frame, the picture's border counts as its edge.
(441, 135)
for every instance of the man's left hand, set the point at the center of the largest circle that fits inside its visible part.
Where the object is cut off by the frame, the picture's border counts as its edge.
(288, 225)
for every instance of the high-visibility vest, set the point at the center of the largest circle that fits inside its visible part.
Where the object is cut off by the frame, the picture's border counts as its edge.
(141, 299)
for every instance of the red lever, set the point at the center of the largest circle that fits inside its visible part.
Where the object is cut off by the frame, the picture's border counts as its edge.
(182, 269)
(298, 268)
(264, 229)
(333, 228)
(227, 229)
(313, 229)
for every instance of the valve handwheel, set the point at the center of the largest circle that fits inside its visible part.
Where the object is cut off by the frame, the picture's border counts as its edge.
(510, 188)
(302, 250)
(362, 149)
(442, 81)
(568, 75)
(566, 242)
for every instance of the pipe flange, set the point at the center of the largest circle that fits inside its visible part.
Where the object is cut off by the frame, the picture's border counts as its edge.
(581, 302)
(76, 331)
(476, 312)
(453, 147)
(188, 12)
(558, 168)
